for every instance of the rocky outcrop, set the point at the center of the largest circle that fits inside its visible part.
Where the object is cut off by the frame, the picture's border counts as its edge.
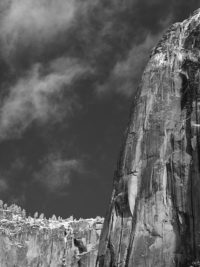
(154, 214)
(38, 242)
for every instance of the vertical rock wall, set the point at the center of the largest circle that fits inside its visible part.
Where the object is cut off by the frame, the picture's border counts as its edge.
(154, 214)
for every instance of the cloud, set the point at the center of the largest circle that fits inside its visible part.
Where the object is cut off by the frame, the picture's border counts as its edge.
(100, 33)
(48, 43)
(33, 21)
(126, 74)
(39, 97)
(57, 172)
(52, 174)
(97, 31)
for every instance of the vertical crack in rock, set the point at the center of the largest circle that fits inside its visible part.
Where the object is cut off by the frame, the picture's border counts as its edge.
(154, 215)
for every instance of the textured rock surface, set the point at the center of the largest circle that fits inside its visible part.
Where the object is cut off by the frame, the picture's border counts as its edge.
(154, 214)
(28, 242)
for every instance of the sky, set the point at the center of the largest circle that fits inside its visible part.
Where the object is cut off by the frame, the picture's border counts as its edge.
(69, 70)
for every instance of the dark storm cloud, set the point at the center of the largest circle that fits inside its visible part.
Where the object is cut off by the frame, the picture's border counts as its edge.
(97, 31)
(102, 33)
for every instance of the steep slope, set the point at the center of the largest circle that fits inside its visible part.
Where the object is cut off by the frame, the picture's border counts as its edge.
(154, 214)
(47, 243)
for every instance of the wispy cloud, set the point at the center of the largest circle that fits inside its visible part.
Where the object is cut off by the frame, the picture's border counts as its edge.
(125, 75)
(36, 97)
(37, 21)
(57, 172)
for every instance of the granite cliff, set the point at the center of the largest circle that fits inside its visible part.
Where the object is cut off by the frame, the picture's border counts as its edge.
(31, 242)
(154, 214)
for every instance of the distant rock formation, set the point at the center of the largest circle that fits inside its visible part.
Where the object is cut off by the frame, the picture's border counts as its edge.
(154, 214)
(38, 242)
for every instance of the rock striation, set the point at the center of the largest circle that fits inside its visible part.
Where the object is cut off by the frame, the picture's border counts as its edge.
(154, 214)
(38, 242)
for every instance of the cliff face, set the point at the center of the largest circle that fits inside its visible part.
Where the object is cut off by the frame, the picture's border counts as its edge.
(154, 214)
(28, 242)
